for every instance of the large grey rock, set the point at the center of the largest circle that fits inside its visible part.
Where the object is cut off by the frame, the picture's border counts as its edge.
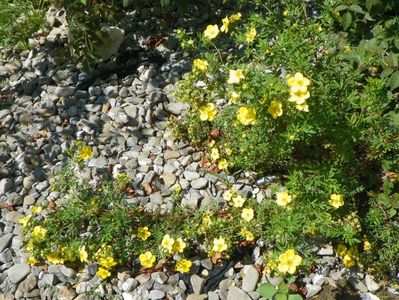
(357, 284)
(5, 186)
(199, 183)
(369, 296)
(66, 293)
(5, 241)
(169, 179)
(156, 294)
(28, 284)
(250, 278)
(176, 108)
(372, 286)
(312, 290)
(196, 283)
(129, 285)
(113, 38)
(13, 217)
(18, 272)
(236, 293)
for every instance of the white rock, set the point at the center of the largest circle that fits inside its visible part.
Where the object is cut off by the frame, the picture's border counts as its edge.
(110, 44)
(368, 296)
(250, 278)
(312, 290)
(371, 284)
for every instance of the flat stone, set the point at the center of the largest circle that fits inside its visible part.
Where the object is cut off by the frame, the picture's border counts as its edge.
(312, 290)
(5, 241)
(250, 278)
(169, 179)
(176, 108)
(199, 183)
(159, 277)
(326, 251)
(197, 297)
(318, 279)
(64, 91)
(190, 176)
(357, 284)
(66, 293)
(156, 294)
(196, 283)
(213, 296)
(372, 286)
(169, 154)
(5, 186)
(18, 272)
(13, 217)
(236, 293)
(129, 285)
(28, 284)
(369, 296)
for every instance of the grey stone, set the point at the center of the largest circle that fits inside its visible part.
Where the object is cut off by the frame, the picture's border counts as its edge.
(28, 284)
(213, 296)
(63, 91)
(368, 296)
(196, 283)
(237, 293)
(357, 284)
(170, 154)
(5, 186)
(49, 279)
(312, 290)
(18, 272)
(199, 183)
(190, 176)
(176, 108)
(110, 43)
(5, 241)
(6, 256)
(156, 294)
(318, 279)
(68, 272)
(169, 179)
(250, 278)
(372, 286)
(197, 297)
(110, 91)
(129, 285)
(66, 293)
(13, 217)
(326, 251)
(92, 107)
(159, 277)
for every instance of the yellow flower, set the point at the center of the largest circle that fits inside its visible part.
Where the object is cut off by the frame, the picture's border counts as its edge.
(211, 143)
(85, 153)
(223, 164)
(179, 245)
(214, 154)
(248, 235)
(341, 249)
(235, 76)
(270, 266)
(206, 220)
(347, 48)
(225, 26)
(275, 109)
(36, 209)
(336, 201)
(238, 201)
(348, 261)
(289, 261)
(299, 95)
(39, 233)
(235, 17)
(83, 256)
(298, 80)
(219, 245)
(29, 246)
(183, 265)
(299, 90)
(246, 116)
(147, 259)
(283, 198)
(235, 97)
(303, 107)
(200, 64)
(54, 258)
(143, 233)
(108, 262)
(247, 214)
(366, 245)
(24, 220)
(251, 35)
(229, 151)
(167, 243)
(211, 31)
(208, 112)
(103, 273)
(31, 260)
(229, 194)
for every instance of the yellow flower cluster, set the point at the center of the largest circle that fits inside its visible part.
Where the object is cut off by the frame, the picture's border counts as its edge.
(147, 259)
(83, 255)
(289, 261)
(105, 260)
(275, 109)
(248, 235)
(251, 35)
(170, 245)
(283, 198)
(246, 116)
(208, 112)
(36, 209)
(183, 265)
(235, 76)
(143, 233)
(201, 65)
(219, 245)
(247, 214)
(349, 256)
(24, 220)
(299, 91)
(85, 153)
(336, 200)
(38, 233)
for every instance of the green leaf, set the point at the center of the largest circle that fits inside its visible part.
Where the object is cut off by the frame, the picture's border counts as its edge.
(386, 72)
(283, 288)
(267, 290)
(125, 3)
(346, 20)
(341, 7)
(391, 60)
(295, 297)
(370, 3)
(280, 296)
(396, 43)
(394, 80)
(291, 279)
(356, 8)
(84, 2)
(392, 212)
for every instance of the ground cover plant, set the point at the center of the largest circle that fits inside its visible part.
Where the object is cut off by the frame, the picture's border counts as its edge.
(308, 94)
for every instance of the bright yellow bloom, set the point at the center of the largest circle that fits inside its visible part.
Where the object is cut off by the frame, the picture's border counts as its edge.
(147, 259)
(336, 201)
(83, 256)
(238, 201)
(29, 246)
(246, 116)
(229, 194)
(208, 112)
(248, 235)
(225, 26)
(235, 97)
(39, 233)
(229, 151)
(143, 233)
(200, 64)
(283, 198)
(270, 266)
(223, 164)
(235, 76)
(235, 17)
(36, 209)
(348, 261)
(211, 31)
(289, 261)
(366, 245)
(179, 245)
(85, 153)
(214, 154)
(275, 109)
(247, 214)
(298, 80)
(183, 265)
(211, 143)
(299, 94)
(54, 258)
(341, 249)
(206, 220)
(103, 273)
(24, 220)
(251, 35)
(31, 260)
(219, 245)
(108, 262)
(303, 107)
(167, 243)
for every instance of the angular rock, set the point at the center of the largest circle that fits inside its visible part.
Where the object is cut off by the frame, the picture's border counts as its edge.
(28, 284)
(199, 183)
(18, 272)
(66, 293)
(196, 283)
(372, 286)
(250, 278)
(5, 241)
(236, 293)
(312, 290)
(5, 186)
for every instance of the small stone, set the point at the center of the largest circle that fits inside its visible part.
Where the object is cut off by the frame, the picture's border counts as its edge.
(326, 251)
(66, 293)
(68, 272)
(18, 272)
(13, 217)
(176, 108)
(318, 279)
(156, 294)
(190, 176)
(159, 277)
(237, 293)
(196, 283)
(372, 286)
(213, 296)
(5, 186)
(199, 183)
(250, 278)
(312, 290)
(368, 296)
(197, 297)
(129, 285)
(64, 91)
(5, 241)
(28, 284)
(169, 179)
(357, 284)
(169, 154)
